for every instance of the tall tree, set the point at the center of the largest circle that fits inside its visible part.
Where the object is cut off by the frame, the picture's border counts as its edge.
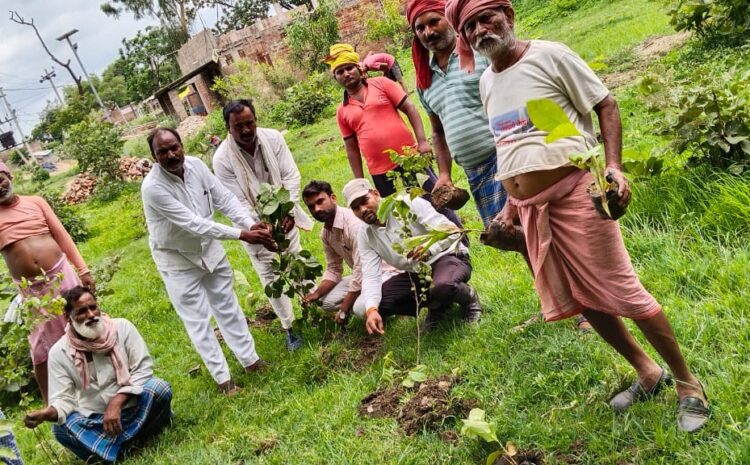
(176, 12)
(237, 14)
(17, 18)
(148, 60)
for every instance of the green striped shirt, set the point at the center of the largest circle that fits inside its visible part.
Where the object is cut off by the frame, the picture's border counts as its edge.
(454, 98)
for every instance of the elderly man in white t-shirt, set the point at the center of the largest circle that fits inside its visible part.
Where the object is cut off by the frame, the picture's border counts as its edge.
(579, 260)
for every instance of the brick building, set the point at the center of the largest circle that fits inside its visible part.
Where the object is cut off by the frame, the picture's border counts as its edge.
(204, 57)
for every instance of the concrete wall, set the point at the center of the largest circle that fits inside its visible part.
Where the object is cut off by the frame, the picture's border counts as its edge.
(197, 51)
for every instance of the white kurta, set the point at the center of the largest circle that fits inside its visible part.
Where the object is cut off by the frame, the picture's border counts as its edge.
(66, 391)
(243, 179)
(184, 240)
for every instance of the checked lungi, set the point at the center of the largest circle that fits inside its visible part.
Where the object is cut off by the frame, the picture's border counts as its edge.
(86, 438)
(9, 442)
(489, 194)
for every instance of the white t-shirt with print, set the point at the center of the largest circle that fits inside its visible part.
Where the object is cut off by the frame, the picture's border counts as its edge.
(548, 70)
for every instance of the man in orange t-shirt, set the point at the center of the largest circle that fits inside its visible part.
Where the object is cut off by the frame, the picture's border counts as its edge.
(36, 247)
(369, 119)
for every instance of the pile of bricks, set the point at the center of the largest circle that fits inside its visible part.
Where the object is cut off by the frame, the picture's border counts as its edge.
(133, 168)
(81, 189)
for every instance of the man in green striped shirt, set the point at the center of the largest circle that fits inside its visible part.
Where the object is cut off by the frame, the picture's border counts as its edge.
(460, 131)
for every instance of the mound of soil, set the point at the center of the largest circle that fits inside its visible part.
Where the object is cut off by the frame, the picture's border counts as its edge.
(369, 350)
(264, 316)
(522, 458)
(384, 402)
(427, 409)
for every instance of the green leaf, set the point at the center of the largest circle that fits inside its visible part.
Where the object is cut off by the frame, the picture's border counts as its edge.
(7, 453)
(386, 208)
(562, 131)
(549, 116)
(475, 426)
(493, 456)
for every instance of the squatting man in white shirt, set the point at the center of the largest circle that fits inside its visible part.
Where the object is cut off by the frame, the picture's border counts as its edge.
(448, 259)
(179, 198)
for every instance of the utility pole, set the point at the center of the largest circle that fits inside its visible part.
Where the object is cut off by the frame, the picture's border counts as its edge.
(74, 47)
(47, 76)
(12, 117)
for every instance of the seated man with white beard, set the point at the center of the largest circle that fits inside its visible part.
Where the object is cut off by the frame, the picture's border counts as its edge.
(103, 393)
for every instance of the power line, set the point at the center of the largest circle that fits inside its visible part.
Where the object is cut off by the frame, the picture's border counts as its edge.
(22, 89)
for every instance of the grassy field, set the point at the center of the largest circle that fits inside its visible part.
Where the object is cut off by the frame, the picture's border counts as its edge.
(545, 388)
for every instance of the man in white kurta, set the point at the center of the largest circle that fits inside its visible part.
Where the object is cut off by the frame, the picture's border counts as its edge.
(179, 198)
(249, 157)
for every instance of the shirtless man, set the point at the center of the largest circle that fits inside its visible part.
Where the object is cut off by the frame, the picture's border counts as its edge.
(36, 246)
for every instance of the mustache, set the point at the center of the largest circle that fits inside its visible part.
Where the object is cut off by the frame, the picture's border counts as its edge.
(92, 321)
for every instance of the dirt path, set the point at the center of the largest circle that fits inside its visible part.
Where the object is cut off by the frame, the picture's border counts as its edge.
(645, 53)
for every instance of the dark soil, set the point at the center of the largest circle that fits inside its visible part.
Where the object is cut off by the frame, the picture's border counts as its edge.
(430, 406)
(573, 457)
(384, 402)
(522, 458)
(265, 445)
(612, 198)
(264, 316)
(369, 351)
(450, 197)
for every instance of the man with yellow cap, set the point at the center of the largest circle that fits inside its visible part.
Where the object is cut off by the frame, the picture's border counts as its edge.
(369, 119)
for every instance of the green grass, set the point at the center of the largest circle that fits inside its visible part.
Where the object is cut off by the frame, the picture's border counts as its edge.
(545, 388)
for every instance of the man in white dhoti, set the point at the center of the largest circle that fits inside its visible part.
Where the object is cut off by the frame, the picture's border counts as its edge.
(179, 198)
(249, 157)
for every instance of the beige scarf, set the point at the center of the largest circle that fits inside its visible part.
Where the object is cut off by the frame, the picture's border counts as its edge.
(107, 342)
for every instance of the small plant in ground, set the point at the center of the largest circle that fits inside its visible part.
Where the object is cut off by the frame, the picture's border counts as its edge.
(477, 427)
(15, 362)
(294, 273)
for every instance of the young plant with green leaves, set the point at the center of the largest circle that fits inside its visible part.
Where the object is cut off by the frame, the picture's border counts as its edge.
(294, 272)
(477, 427)
(548, 116)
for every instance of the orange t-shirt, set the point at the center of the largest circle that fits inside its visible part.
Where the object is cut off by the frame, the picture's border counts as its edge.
(32, 216)
(377, 124)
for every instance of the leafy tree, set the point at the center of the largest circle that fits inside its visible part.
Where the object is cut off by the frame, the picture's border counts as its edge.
(237, 14)
(179, 13)
(97, 147)
(310, 35)
(56, 120)
(147, 61)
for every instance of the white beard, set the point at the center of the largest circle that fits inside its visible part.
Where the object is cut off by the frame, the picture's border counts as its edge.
(493, 45)
(91, 332)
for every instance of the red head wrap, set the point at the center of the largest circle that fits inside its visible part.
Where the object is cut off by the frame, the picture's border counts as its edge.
(458, 12)
(419, 54)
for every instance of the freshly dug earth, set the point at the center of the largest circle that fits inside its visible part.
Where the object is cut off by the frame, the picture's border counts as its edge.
(522, 458)
(264, 316)
(427, 409)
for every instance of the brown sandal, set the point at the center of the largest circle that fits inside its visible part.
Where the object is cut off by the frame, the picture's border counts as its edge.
(229, 389)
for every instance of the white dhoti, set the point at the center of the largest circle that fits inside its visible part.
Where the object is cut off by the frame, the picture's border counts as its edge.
(261, 259)
(196, 295)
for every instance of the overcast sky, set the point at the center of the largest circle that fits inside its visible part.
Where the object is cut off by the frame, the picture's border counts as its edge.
(22, 58)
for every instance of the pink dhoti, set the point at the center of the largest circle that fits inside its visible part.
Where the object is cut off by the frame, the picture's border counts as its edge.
(57, 280)
(579, 259)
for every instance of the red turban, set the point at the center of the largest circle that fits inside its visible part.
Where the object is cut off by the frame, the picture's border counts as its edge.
(419, 54)
(457, 12)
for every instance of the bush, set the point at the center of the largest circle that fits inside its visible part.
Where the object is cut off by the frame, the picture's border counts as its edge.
(15, 156)
(708, 116)
(309, 36)
(137, 147)
(385, 21)
(73, 223)
(305, 102)
(39, 174)
(725, 17)
(97, 147)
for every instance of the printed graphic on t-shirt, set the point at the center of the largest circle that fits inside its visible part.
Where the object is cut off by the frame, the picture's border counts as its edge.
(509, 126)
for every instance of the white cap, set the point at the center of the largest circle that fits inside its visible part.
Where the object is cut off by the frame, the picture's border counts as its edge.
(355, 189)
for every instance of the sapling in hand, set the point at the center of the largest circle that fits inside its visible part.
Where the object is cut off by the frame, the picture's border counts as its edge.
(550, 117)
